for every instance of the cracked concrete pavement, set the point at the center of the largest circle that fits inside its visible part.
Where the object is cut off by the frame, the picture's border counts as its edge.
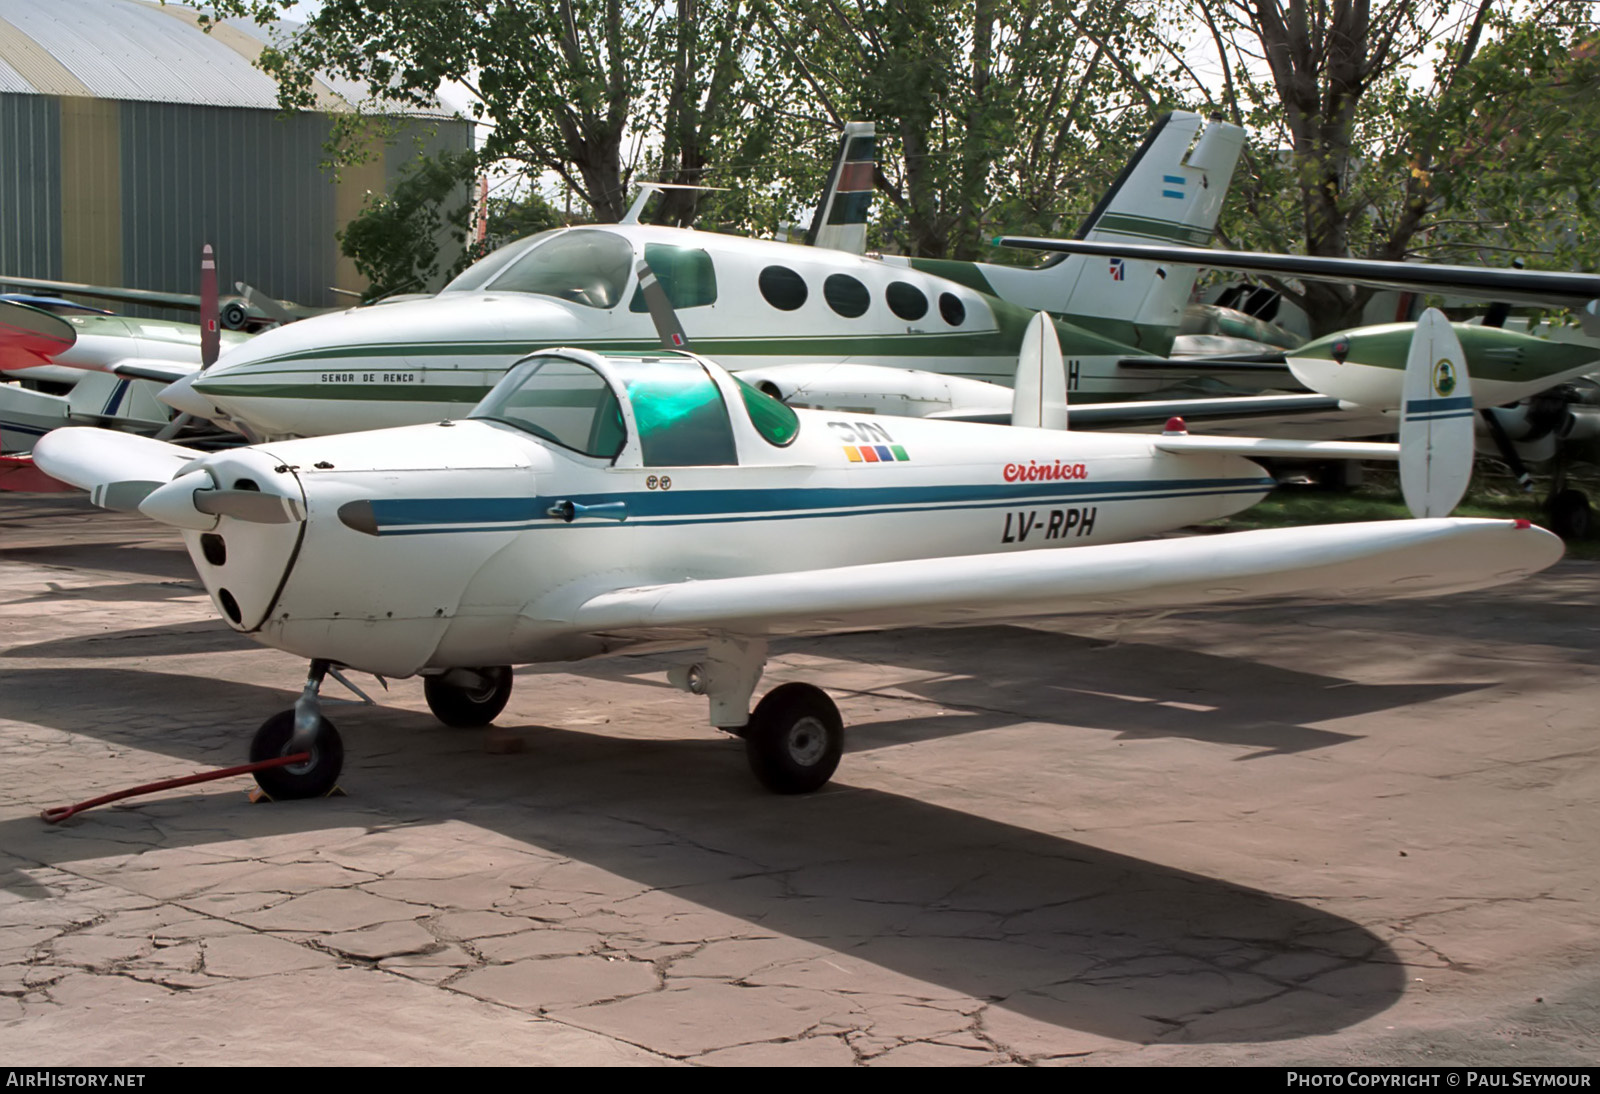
(1338, 835)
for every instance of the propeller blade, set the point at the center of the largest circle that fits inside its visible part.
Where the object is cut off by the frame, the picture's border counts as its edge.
(251, 505)
(210, 318)
(665, 319)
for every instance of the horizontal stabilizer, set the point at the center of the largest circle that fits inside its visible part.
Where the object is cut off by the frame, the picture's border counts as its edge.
(1262, 362)
(1403, 558)
(1141, 411)
(1538, 287)
(118, 469)
(157, 371)
(1262, 448)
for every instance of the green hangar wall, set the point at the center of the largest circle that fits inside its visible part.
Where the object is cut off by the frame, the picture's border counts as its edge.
(129, 138)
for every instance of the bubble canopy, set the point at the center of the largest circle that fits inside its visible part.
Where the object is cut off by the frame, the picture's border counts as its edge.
(674, 403)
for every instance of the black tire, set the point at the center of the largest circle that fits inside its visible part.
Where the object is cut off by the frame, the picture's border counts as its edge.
(1570, 515)
(794, 739)
(312, 779)
(465, 707)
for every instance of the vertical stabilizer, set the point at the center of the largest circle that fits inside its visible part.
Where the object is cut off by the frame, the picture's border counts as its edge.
(1436, 420)
(1039, 395)
(841, 220)
(1171, 191)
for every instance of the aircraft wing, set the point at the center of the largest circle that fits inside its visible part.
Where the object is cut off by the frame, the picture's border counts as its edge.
(139, 368)
(151, 297)
(1537, 287)
(1402, 558)
(118, 469)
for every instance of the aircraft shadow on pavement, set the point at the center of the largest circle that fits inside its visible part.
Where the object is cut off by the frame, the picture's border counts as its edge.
(118, 556)
(167, 639)
(1063, 932)
(992, 676)
(1493, 617)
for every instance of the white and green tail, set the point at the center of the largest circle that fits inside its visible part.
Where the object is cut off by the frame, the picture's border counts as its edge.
(1171, 191)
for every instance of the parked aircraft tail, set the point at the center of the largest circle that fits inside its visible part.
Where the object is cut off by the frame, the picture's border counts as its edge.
(840, 222)
(1172, 191)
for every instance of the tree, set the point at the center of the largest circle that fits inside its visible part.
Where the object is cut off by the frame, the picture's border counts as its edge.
(588, 90)
(988, 113)
(394, 240)
(1395, 146)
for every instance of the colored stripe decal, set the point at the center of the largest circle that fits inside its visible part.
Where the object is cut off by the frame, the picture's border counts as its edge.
(419, 516)
(1459, 402)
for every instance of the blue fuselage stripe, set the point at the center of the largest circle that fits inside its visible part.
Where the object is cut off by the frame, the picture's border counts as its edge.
(441, 515)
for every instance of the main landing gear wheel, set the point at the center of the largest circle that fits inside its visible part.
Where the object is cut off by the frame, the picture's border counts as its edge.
(471, 704)
(794, 739)
(312, 779)
(1571, 518)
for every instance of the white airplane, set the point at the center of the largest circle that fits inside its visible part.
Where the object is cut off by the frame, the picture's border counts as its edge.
(1515, 375)
(596, 503)
(114, 365)
(749, 303)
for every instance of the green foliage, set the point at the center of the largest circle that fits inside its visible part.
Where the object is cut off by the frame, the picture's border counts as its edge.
(1412, 128)
(394, 240)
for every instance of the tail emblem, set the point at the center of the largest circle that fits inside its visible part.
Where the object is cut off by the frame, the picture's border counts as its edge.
(1172, 186)
(1117, 272)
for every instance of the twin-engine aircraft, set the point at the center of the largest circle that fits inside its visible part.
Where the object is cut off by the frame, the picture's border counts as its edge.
(600, 503)
(749, 303)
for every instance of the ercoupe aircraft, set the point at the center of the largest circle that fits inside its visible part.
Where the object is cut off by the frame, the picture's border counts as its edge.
(747, 302)
(629, 501)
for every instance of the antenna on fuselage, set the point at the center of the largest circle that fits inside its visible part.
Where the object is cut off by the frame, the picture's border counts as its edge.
(648, 190)
(662, 313)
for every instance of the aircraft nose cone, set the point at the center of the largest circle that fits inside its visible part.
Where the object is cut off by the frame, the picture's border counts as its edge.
(181, 396)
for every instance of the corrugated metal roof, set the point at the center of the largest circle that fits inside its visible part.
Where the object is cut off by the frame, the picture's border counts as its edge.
(146, 52)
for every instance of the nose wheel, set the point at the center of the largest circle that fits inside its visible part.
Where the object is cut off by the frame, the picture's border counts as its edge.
(315, 777)
(300, 729)
(794, 739)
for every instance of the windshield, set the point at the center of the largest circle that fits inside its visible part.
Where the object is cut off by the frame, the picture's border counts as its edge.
(560, 400)
(474, 276)
(580, 265)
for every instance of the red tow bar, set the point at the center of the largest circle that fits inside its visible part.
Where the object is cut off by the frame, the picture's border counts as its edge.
(59, 813)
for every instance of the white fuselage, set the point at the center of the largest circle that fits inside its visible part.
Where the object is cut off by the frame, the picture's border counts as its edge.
(433, 546)
(426, 360)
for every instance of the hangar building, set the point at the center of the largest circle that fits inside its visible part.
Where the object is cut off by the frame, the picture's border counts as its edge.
(129, 137)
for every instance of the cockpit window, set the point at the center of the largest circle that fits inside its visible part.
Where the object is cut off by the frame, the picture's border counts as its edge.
(685, 273)
(562, 401)
(581, 265)
(475, 275)
(678, 408)
(777, 423)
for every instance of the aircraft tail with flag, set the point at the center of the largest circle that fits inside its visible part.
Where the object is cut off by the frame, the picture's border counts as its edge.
(841, 219)
(1172, 191)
